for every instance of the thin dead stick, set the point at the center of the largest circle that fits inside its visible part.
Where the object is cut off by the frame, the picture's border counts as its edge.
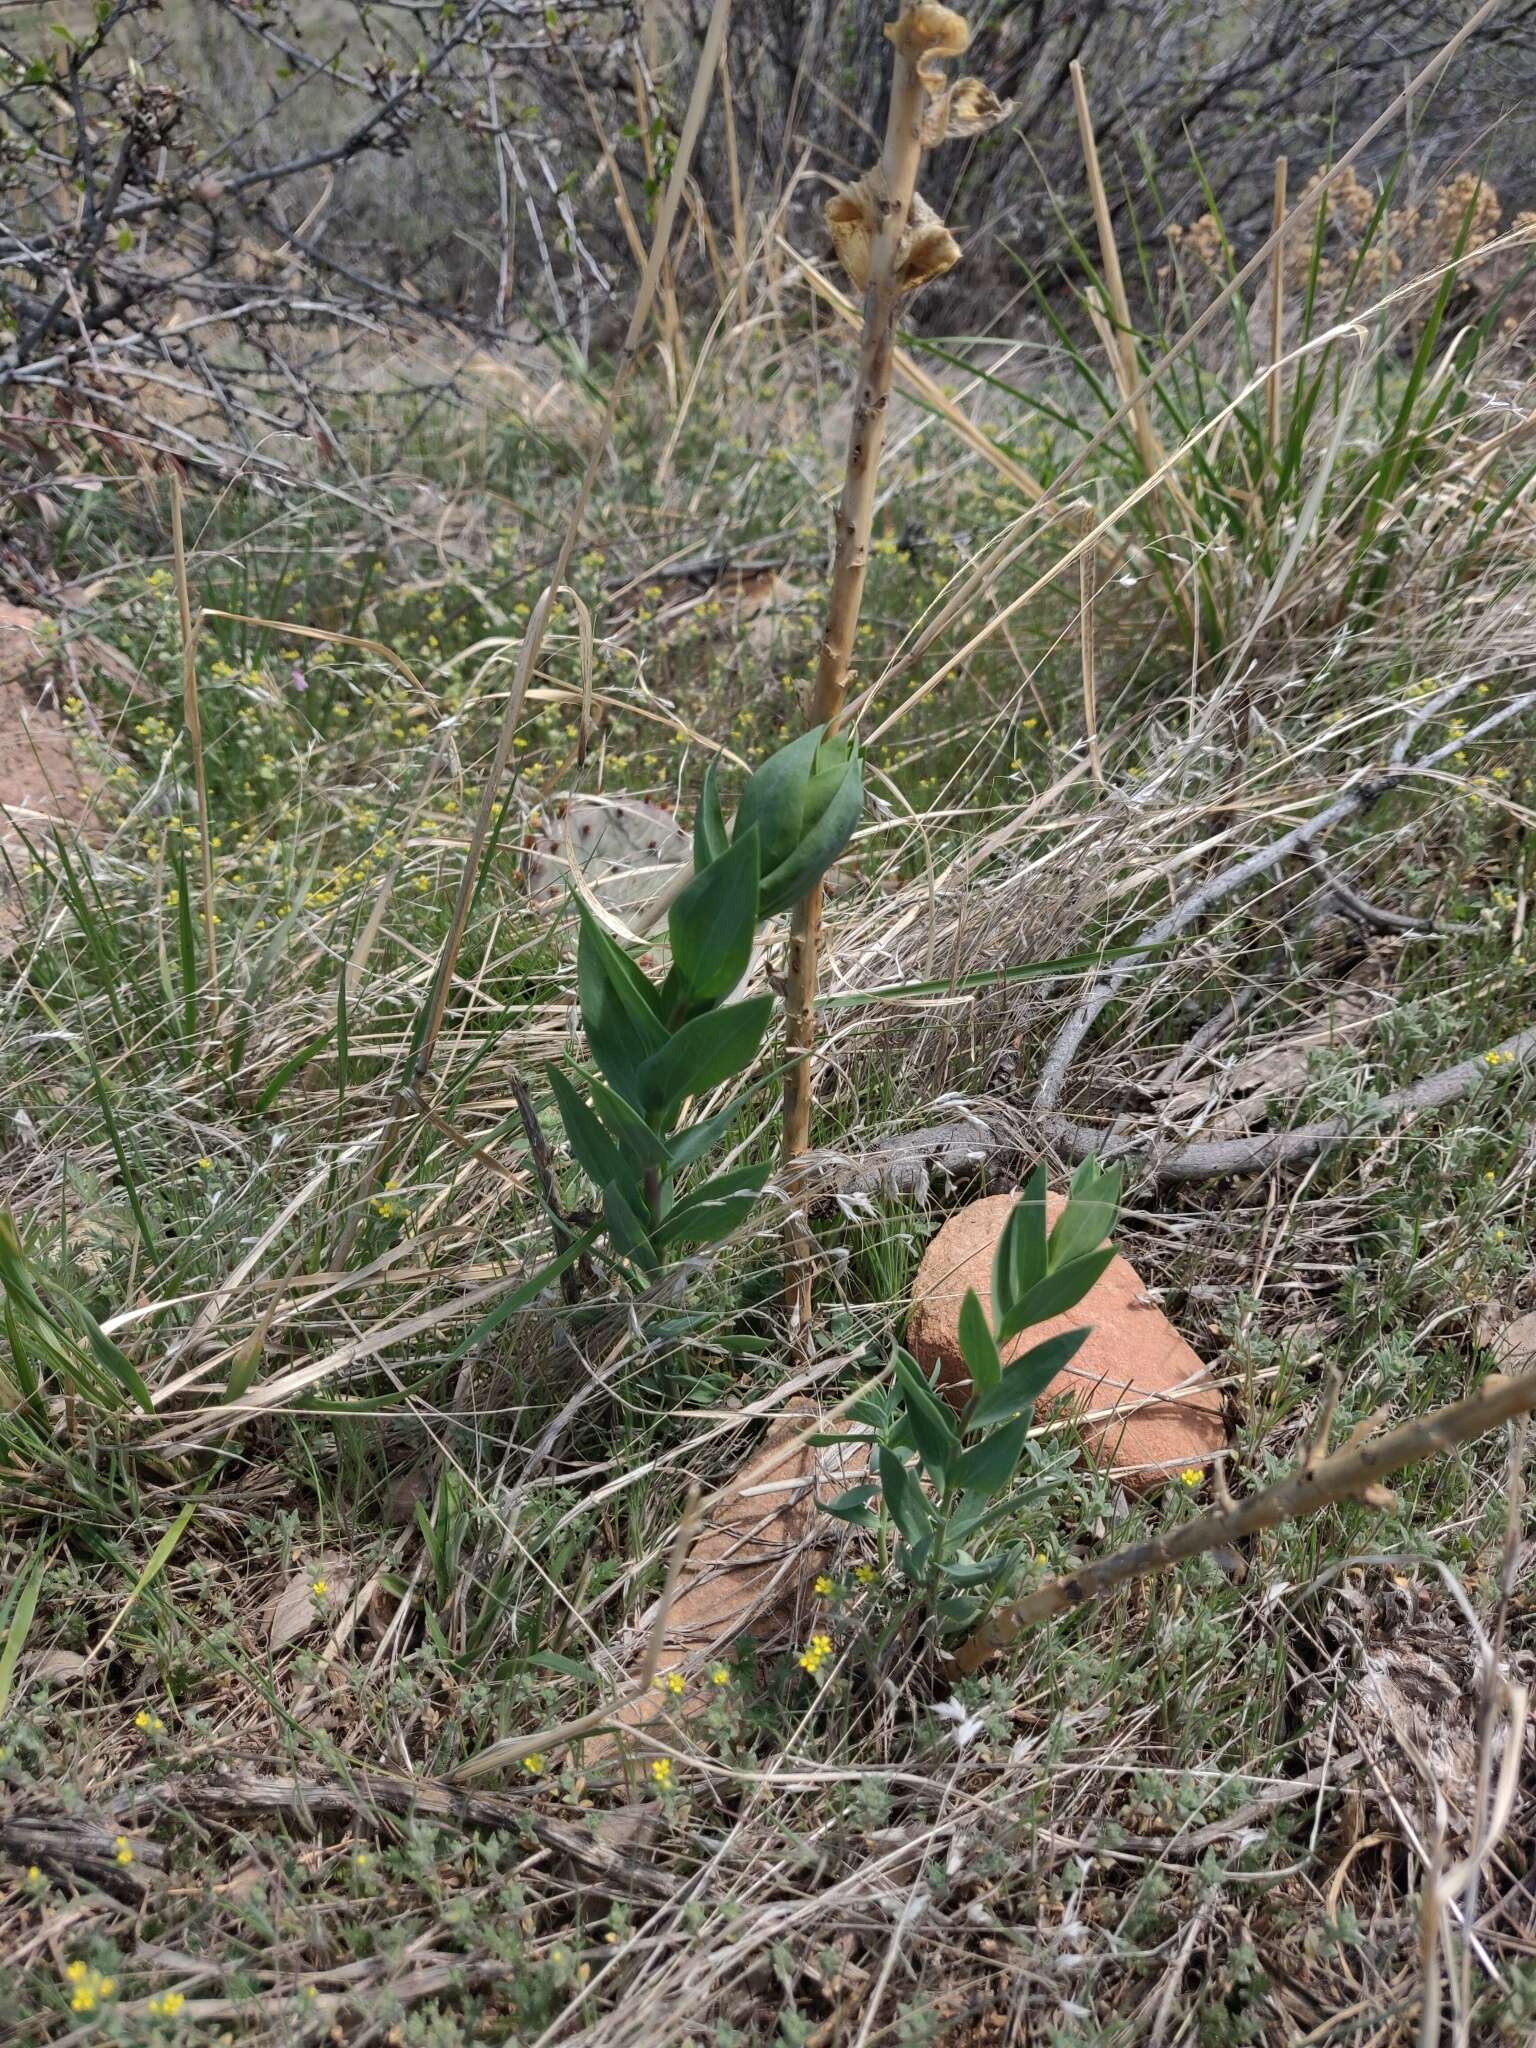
(365, 1793)
(192, 718)
(1353, 1473)
(1121, 343)
(516, 1747)
(1087, 565)
(733, 173)
(533, 639)
(1276, 308)
(855, 515)
(1253, 1155)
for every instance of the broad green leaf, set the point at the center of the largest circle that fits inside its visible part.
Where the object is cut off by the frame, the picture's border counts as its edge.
(819, 848)
(774, 799)
(692, 1143)
(903, 1496)
(978, 1347)
(629, 1129)
(1022, 1259)
(709, 840)
(853, 1506)
(714, 1210)
(933, 1427)
(1055, 1294)
(1025, 1380)
(969, 1571)
(618, 1009)
(832, 758)
(1088, 1218)
(702, 1053)
(959, 1610)
(711, 926)
(987, 1467)
(592, 1146)
(626, 1226)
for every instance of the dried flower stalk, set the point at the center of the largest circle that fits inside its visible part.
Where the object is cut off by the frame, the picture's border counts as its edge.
(890, 242)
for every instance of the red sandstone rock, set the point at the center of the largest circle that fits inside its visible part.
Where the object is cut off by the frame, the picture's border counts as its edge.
(1160, 1414)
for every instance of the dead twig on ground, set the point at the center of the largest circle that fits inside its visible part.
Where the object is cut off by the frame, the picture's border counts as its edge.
(1353, 1473)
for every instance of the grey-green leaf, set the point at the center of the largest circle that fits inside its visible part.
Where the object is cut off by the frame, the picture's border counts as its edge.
(1059, 1291)
(903, 1496)
(978, 1347)
(1025, 1380)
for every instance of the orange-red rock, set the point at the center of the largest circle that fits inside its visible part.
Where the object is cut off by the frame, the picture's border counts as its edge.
(1155, 1411)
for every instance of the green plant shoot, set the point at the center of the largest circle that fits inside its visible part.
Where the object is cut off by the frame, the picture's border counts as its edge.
(659, 1045)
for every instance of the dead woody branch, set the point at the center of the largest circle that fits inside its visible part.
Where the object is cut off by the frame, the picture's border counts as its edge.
(1353, 1473)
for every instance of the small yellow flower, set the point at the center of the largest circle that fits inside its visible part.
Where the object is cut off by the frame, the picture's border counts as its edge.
(1191, 1476)
(822, 1645)
(672, 1682)
(865, 1574)
(824, 1586)
(91, 1988)
(661, 1771)
(319, 1587)
(205, 1164)
(148, 1723)
(720, 1675)
(167, 2005)
(34, 1875)
(361, 1860)
(533, 1763)
(122, 1850)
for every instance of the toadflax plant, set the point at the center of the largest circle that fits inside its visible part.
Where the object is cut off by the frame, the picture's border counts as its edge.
(657, 1045)
(943, 1481)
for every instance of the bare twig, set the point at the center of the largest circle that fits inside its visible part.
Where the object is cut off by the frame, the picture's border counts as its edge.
(366, 1793)
(1353, 1473)
(1244, 1155)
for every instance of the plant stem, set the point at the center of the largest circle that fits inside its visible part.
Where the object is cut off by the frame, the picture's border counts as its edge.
(855, 515)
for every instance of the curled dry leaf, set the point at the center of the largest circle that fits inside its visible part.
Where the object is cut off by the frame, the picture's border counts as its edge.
(854, 214)
(926, 34)
(969, 107)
